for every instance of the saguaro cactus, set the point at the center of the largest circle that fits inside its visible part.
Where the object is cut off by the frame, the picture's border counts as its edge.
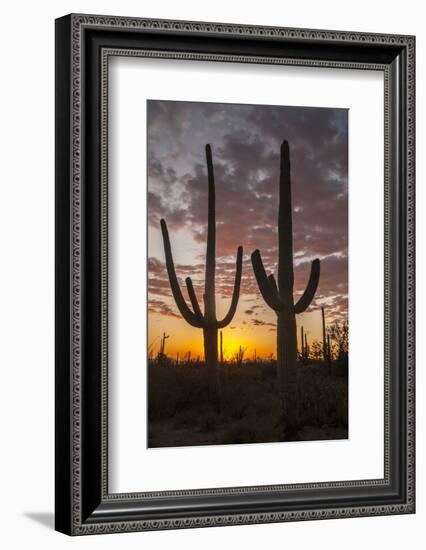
(306, 348)
(221, 348)
(324, 335)
(279, 296)
(162, 353)
(207, 321)
(163, 343)
(326, 343)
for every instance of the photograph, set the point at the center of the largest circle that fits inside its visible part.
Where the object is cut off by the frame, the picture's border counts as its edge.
(247, 268)
(234, 273)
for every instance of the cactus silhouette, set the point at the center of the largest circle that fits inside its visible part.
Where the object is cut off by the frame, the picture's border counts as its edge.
(325, 343)
(304, 353)
(161, 357)
(207, 321)
(306, 348)
(279, 296)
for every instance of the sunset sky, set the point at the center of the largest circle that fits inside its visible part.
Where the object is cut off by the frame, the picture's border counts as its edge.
(245, 141)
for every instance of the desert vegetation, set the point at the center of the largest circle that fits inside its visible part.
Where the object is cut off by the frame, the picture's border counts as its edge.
(181, 411)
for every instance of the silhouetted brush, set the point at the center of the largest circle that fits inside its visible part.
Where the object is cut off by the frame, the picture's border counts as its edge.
(195, 317)
(279, 296)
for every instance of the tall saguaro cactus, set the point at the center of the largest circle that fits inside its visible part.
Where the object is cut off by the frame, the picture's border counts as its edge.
(306, 348)
(279, 296)
(221, 347)
(207, 321)
(326, 343)
(324, 336)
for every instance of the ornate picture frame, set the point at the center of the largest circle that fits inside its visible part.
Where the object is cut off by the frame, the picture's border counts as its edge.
(84, 45)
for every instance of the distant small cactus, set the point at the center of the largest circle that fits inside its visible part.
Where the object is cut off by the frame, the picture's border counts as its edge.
(326, 343)
(161, 357)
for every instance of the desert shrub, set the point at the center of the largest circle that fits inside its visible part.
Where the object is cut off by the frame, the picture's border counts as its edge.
(208, 421)
(240, 432)
(268, 371)
(181, 412)
(322, 399)
(174, 389)
(184, 419)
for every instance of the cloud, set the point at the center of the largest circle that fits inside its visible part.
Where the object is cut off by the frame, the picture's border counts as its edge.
(158, 306)
(245, 142)
(259, 323)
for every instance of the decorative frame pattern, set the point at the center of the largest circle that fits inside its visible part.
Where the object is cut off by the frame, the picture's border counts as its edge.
(83, 503)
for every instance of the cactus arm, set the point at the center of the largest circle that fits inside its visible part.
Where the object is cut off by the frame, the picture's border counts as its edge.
(236, 294)
(269, 294)
(273, 282)
(307, 297)
(193, 298)
(186, 313)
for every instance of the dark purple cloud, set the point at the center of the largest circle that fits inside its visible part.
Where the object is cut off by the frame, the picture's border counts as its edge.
(259, 323)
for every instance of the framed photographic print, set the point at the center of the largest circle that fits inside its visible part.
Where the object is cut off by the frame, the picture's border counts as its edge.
(234, 274)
